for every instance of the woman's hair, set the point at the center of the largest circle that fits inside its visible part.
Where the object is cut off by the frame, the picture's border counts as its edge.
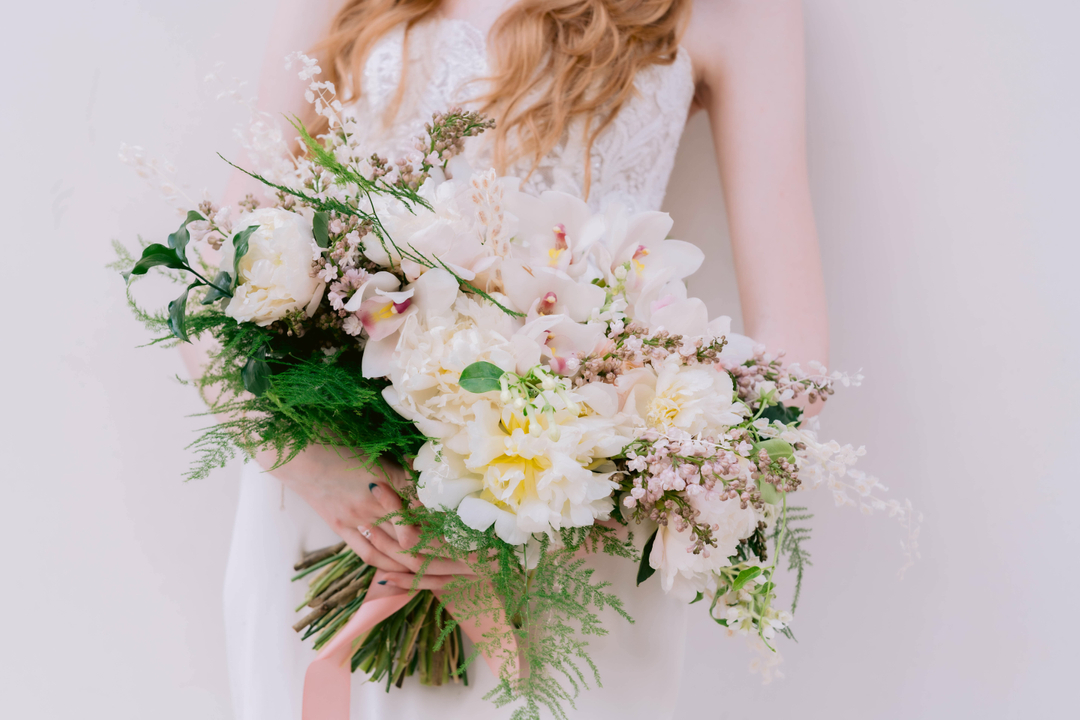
(555, 61)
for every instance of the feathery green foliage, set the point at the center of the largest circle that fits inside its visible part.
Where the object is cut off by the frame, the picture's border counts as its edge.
(798, 556)
(543, 594)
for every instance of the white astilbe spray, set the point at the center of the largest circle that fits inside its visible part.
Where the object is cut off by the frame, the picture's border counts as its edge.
(158, 174)
(833, 464)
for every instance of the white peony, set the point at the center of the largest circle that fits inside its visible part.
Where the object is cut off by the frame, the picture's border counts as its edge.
(693, 398)
(275, 272)
(684, 574)
(431, 352)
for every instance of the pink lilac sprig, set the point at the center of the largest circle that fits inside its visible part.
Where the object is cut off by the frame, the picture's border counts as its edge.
(444, 139)
(662, 472)
(345, 248)
(217, 226)
(635, 345)
(765, 379)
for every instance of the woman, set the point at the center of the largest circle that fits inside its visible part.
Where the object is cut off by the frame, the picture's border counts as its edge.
(590, 97)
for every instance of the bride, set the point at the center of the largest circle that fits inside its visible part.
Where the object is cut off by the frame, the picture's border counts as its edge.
(590, 98)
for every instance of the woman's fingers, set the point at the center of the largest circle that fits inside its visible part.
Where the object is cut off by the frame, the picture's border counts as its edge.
(384, 544)
(407, 535)
(367, 551)
(408, 581)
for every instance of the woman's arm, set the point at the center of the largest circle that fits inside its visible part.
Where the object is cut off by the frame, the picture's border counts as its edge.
(748, 59)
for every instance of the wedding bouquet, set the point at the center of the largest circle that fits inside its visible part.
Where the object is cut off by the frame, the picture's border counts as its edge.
(540, 370)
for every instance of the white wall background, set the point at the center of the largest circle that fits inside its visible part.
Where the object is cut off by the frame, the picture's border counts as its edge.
(944, 155)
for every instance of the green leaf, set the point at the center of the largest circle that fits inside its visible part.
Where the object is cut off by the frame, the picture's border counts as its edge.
(320, 227)
(221, 280)
(240, 243)
(178, 240)
(769, 493)
(645, 570)
(178, 313)
(256, 373)
(700, 596)
(744, 577)
(481, 377)
(153, 256)
(783, 413)
(776, 448)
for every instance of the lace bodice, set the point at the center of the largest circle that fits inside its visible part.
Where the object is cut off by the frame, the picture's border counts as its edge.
(444, 62)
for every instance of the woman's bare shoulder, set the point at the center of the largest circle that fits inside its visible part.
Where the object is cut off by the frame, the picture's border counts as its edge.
(721, 31)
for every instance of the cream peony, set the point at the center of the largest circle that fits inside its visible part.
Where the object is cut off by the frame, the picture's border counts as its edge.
(275, 273)
(527, 473)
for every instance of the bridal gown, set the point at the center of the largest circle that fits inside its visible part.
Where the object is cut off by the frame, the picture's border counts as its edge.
(640, 664)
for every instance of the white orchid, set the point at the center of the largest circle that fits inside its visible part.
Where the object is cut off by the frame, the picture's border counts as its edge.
(539, 290)
(667, 307)
(554, 230)
(636, 255)
(444, 235)
(386, 311)
(564, 341)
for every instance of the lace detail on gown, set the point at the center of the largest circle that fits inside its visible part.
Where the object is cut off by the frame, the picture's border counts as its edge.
(447, 59)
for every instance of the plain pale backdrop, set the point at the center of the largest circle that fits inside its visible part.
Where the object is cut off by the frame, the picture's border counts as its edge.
(944, 156)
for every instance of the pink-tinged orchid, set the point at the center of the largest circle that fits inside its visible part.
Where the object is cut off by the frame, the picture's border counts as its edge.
(544, 291)
(554, 230)
(638, 246)
(562, 340)
(668, 307)
(383, 314)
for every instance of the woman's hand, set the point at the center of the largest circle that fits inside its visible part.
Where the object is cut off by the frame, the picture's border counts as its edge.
(352, 500)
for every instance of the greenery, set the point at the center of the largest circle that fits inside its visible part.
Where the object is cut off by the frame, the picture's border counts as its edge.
(791, 545)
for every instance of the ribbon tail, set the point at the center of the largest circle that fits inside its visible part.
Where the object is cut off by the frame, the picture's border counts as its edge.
(328, 681)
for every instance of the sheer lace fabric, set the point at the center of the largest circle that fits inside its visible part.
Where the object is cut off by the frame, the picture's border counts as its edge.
(447, 61)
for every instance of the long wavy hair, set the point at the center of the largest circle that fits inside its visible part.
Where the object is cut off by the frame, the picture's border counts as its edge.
(555, 62)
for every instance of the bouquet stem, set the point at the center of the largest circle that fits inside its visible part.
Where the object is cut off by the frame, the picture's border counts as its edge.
(410, 642)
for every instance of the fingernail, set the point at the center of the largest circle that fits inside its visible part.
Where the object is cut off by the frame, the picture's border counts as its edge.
(372, 486)
(382, 582)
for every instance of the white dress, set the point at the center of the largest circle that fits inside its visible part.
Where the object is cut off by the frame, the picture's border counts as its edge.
(640, 664)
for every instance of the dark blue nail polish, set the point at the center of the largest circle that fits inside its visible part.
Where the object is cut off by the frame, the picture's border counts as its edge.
(371, 486)
(382, 582)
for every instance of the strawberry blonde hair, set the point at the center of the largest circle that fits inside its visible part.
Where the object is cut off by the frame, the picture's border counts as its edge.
(555, 61)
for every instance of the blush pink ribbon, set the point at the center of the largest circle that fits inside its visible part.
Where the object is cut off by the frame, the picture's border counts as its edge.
(328, 681)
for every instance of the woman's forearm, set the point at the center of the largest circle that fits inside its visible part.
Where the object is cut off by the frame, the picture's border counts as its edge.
(751, 80)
